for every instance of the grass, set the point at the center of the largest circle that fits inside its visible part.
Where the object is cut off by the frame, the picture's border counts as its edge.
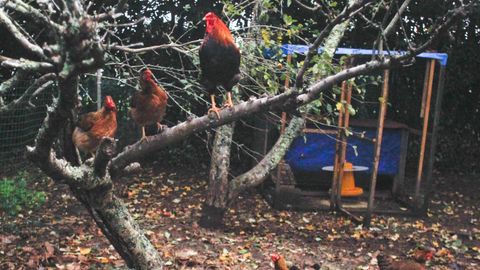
(15, 195)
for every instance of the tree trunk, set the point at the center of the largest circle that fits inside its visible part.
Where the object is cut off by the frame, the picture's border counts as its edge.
(125, 235)
(216, 202)
(69, 150)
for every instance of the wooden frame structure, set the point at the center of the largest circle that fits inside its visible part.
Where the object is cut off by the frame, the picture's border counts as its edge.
(424, 171)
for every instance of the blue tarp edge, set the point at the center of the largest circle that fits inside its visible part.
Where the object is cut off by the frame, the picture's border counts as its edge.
(303, 49)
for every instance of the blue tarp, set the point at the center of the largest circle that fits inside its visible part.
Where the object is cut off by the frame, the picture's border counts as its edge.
(303, 49)
(318, 150)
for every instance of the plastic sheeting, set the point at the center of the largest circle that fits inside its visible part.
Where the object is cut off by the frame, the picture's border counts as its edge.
(303, 49)
(313, 151)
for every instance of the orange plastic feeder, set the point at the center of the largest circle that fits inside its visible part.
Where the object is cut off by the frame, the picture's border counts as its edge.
(348, 181)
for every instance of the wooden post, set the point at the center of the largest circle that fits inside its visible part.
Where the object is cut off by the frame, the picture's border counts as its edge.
(333, 190)
(343, 146)
(283, 122)
(425, 87)
(433, 139)
(399, 180)
(287, 85)
(424, 133)
(99, 88)
(377, 147)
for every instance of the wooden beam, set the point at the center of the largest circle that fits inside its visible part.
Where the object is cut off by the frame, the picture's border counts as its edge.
(424, 133)
(284, 114)
(320, 131)
(333, 202)
(425, 87)
(343, 141)
(399, 180)
(287, 85)
(355, 218)
(433, 140)
(378, 147)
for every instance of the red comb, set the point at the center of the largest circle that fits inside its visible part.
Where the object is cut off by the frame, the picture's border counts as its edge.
(109, 103)
(275, 257)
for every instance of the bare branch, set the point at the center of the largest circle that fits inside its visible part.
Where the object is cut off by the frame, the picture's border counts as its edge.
(126, 24)
(452, 17)
(12, 82)
(22, 39)
(116, 12)
(396, 18)
(26, 64)
(29, 11)
(128, 48)
(39, 85)
(316, 8)
(39, 90)
(344, 15)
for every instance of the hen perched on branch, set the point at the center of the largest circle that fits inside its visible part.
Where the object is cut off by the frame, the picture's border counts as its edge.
(219, 60)
(93, 126)
(148, 106)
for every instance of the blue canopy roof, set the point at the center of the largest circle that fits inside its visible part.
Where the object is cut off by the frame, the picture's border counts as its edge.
(303, 49)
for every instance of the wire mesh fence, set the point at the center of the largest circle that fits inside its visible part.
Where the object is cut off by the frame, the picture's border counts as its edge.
(19, 126)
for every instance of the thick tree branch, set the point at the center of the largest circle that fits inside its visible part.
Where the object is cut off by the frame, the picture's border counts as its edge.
(26, 64)
(289, 99)
(257, 174)
(347, 13)
(215, 203)
(22, 39)
(105, 152)
(33, 13)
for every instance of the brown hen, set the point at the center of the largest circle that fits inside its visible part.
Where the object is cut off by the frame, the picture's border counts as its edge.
(148, 106)
(280, 263)
(387, 263)
(93, 126)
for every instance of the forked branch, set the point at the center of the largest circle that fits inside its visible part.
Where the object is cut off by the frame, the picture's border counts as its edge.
(22, 39)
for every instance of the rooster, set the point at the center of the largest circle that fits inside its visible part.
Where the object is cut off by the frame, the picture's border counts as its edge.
(219, 60)
(148, 106)
(280, 263)
(386, 263)
(93, 126)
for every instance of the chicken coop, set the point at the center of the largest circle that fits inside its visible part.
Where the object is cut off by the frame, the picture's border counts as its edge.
(350, 159)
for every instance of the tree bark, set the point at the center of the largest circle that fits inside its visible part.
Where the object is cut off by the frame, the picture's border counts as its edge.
(259, 173)
(69, 150)
(216, 200)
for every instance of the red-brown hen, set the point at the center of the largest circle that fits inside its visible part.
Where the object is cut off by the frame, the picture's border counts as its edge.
(93, 126)
(148, 106)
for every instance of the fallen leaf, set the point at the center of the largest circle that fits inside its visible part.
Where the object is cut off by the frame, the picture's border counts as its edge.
(103, 260)
(85, 251)
(50, 250)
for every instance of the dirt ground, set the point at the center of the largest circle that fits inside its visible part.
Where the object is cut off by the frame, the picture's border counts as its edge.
(61, 235)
